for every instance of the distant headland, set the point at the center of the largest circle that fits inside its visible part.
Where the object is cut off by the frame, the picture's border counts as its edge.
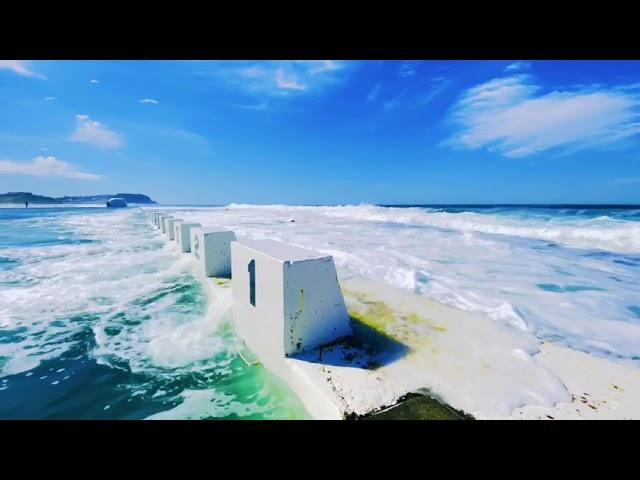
(23, 197)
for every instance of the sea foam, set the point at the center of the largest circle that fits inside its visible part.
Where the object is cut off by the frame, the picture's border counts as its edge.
(497, 264)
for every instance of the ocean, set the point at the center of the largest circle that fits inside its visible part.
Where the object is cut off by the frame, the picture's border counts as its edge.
(99, 320)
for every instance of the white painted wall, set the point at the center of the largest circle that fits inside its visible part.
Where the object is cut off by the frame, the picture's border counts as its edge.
(170, 227)
(211, 247)
(158, 219)
(298, 302)
(314, 310)
(164, 225)
(182, 234)
(261, 326)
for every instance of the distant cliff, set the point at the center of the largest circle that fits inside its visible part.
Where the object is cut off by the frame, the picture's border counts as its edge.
(22, 197)
(128, 197)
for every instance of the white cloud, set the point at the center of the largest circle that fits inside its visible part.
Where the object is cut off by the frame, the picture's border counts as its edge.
(627, 181)
(289, 82)
(50, 99)
(20, 67)
(440, 84)
(94, 133)
(373, 94)
(252, 72)
(255, 80)
(517, 66)
(45, 167)
(149, 100)
(511, 115)
(393, 103)
(407, 69)
(252, 106)
(93, 80)
(319, 66)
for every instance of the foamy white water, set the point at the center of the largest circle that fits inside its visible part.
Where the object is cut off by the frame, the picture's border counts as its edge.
(98, 310)
(88, 285)
(569, 278)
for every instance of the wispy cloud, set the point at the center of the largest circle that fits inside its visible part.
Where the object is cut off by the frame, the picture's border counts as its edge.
(252, 106)
(627, 181)
(324, 66)
(373, 94)
(94, 133)
(50, 99)
(288, 82)
(284, 79)
(252, 72)
(438, 86)
(408, 69)
(393, 103)
(93, 80)
(517, 66)
(20, 67)
(511, 115)
(149, 100)
(45, 167)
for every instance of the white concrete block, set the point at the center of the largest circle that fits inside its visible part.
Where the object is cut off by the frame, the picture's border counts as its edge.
(286, 299)
(160, 220)
(170, 227)
(182, 234)
(211, 247)
(164, 224)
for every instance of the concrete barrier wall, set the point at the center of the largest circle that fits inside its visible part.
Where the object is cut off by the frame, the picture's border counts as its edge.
(170, 227)
(315, 313)
(182, 234)
(285, 296)
(289, 295)
(285, 300)
(160, 221)
(259, 318)
(165, 224)
(211, 247)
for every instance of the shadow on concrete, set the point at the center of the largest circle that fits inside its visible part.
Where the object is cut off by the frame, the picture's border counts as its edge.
(367, 349)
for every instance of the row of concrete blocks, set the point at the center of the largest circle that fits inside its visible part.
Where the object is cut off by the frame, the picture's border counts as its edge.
(285, 298)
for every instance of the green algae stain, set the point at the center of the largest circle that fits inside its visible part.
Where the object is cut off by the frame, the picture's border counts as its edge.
(417, 320)
(222, 281)
(377, 316)
(419, 407)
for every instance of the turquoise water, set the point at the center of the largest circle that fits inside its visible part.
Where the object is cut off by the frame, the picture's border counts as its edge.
(99, 321)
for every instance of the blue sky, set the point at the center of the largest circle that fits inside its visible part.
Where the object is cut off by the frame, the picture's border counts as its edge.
(310, 132)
